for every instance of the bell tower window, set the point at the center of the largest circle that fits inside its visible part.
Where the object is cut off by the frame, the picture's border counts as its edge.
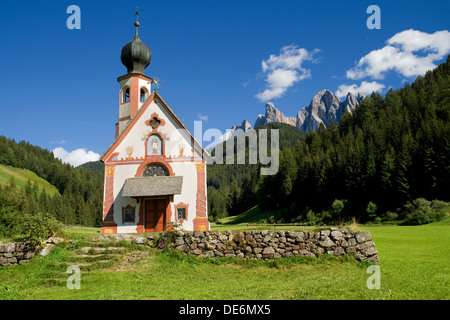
(126, 95)
(144, 95)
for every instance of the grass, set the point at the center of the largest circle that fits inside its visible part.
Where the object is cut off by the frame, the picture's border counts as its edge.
(414, 260)
(74, 231)
(413, 264)
(22, 176)
(253, 215)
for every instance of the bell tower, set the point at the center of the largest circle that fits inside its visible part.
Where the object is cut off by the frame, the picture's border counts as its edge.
(135, 86)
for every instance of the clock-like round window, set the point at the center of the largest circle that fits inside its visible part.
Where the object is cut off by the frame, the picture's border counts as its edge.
(155, 170)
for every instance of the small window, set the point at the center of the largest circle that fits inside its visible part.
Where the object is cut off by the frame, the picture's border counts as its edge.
(181, 213)
(143, 95)
(126, 95)
(128, 214)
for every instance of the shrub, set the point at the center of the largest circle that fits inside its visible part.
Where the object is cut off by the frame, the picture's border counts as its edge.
(37, 227)
(173, 226)
(311, 218)
(391, 216)
(326, 218)
(422, 211)
(337, 206)
(371, 208)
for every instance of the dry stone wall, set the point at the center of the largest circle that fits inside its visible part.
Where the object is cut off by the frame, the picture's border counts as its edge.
(14, 253)
(266, 244)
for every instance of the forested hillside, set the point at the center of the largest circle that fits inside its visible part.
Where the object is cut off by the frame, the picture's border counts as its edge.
(79, 200)
(392, 150)
(232, 187)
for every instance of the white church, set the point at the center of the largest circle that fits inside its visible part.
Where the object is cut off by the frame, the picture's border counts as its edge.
(155, 171)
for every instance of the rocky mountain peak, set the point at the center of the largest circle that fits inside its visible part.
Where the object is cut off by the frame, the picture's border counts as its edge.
(273, 115)
(244, 126)
(325, 108)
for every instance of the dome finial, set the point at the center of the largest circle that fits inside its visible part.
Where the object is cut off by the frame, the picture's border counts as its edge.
(136, 23)
(136, 55)
(137, 14)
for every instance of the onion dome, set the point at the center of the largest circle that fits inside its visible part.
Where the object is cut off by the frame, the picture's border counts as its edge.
(136, 55)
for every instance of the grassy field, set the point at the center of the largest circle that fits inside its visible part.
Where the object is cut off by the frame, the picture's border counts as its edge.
(22, 176)
(253, 215)
(413, 264)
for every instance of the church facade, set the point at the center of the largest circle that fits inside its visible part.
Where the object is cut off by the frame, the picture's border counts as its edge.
(155, 171)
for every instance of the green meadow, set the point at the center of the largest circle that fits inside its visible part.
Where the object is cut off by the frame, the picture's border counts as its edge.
(413, 265)
(22, 176)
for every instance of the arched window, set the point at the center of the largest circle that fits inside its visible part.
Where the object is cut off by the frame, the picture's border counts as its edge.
(155, 170)
(126, 95)
(143, 95)
(154, 145)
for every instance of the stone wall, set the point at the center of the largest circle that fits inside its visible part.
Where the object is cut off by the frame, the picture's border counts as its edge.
(14, 253)
(265, 244)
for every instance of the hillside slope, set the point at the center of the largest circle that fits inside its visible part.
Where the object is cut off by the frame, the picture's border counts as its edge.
(79, 195)
(22, 176)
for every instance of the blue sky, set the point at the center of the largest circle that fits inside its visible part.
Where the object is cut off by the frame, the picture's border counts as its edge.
(220, 60)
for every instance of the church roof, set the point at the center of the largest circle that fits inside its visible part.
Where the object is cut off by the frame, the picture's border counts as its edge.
(152, 186)
(155, 94)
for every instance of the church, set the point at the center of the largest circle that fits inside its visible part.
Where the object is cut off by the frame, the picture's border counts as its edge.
(155, 171)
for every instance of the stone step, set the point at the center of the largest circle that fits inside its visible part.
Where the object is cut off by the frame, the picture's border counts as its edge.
(98, 249)
(87, 255)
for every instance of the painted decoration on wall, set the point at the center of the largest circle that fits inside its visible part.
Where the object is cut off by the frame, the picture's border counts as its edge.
(146, 134)
(110, 171)
(181, 148)
(154, 145)
(165, 136)
(129, 150)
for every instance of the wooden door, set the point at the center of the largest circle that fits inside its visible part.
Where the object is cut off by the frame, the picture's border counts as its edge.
(155, 215)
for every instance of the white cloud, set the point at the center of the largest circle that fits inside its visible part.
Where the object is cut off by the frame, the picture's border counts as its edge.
(283, 70)
(365, 88)
(58, 142)
(202, 117)
(76, 157)
(410, 53)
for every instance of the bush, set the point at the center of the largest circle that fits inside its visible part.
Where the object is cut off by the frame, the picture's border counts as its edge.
(311, 218)
(173, 226)
(391, 216)
(337, 206)
(37, 227)
(422, 211)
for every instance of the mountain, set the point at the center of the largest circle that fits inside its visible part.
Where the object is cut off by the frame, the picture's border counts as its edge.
(324, 108)
(244, 126)
(274, 115)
